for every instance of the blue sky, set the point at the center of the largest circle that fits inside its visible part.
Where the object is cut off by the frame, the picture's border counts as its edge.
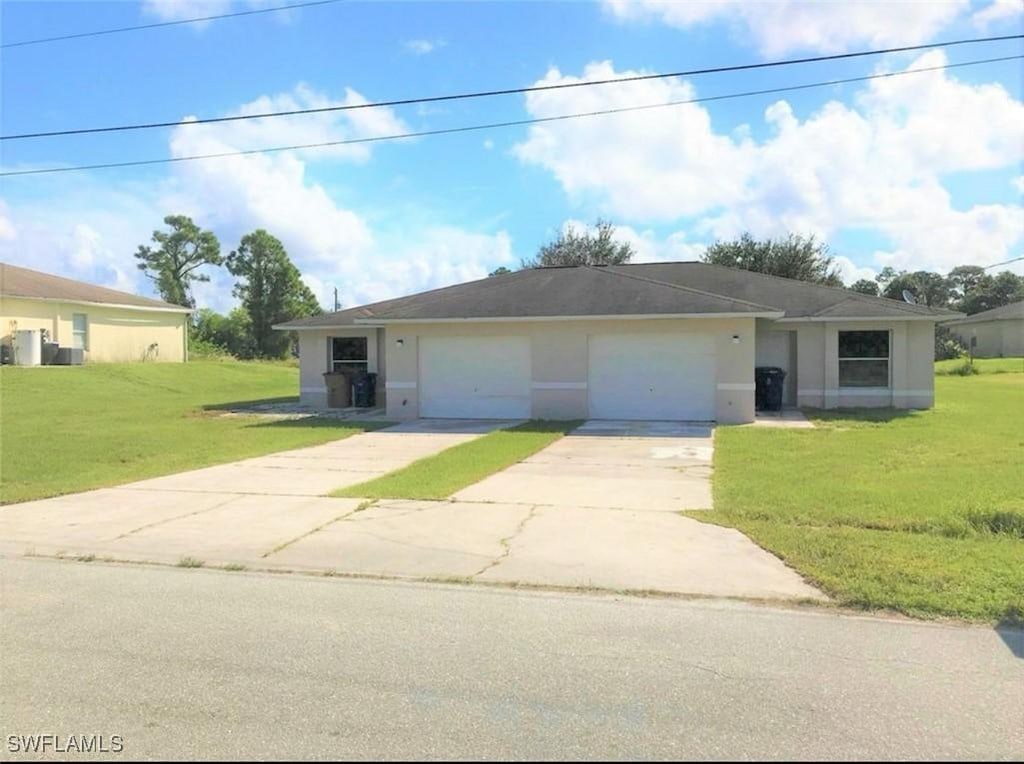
(919, 171)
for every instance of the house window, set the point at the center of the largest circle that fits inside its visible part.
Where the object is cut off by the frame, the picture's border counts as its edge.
(349, 354)
(864, 359)
(80, 331)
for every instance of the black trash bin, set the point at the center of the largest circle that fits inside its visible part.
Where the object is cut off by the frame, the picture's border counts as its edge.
(364, 390)
(768, 388)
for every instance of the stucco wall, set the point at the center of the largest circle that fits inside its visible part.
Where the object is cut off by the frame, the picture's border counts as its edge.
(113, 334)
(911, 357)
(559, 359)
(777, 346)
(314, 357)
(994, 339)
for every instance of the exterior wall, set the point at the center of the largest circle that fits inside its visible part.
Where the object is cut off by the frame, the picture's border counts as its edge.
(315, 357)
(112, 334)
(994, 339)
(559, 358)
(911, 359)
(776, 345)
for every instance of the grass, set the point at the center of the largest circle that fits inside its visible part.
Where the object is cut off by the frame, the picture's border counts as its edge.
(960, 366)
(67, 429)
(918, 512)
(441, 475)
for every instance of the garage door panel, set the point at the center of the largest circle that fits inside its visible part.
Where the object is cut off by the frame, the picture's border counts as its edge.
(475, 377)
(646, 376)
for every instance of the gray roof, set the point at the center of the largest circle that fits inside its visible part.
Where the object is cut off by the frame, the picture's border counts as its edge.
(1002, 313)
(34, 285)
(650, 289)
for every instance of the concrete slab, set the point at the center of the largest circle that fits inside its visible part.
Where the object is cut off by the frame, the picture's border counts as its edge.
(666, 469)
(552, 484)
(245, 530)
(85, 519)
(409, 538)
(317, 470)
(572, 546)
(787, 418)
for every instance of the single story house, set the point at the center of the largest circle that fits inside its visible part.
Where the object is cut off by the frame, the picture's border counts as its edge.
(656, 341)
(108, 325)
(996, 333)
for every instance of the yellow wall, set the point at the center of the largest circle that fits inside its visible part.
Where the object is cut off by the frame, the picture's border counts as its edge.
(113, 334)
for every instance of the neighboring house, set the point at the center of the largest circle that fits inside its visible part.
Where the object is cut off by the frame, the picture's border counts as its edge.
(996, 333)
(675, 341)
(107, 324)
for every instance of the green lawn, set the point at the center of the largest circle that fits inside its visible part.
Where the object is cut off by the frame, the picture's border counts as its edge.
(441, 475)
(67, 429)
(920, 512)
(982, 366)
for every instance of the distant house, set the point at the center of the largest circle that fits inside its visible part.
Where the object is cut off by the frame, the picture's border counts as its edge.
(677, 341)
(106, 324)
(996, 333)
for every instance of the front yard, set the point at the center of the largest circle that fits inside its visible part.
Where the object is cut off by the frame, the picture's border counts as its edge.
(919, 512)
(67, 429)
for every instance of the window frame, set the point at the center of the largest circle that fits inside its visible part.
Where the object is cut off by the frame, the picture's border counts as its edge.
(337, 364)
(83, 333)
(840, 359)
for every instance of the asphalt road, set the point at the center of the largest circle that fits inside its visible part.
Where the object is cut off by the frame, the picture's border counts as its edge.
(208, 664)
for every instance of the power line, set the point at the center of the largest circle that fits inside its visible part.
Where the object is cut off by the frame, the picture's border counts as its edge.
(1005, 262)
(507, 91)
(512, 123)
(253, 12)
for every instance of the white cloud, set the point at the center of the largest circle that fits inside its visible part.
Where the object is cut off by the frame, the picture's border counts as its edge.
(92, 232)
(648, 246)
(423, 47)
(177, 10)
(779, 27)
(850, 272)
(997, 11)
(876, 164)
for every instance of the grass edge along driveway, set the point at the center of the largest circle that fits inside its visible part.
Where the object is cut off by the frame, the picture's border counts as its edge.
(66, 429)
(440, 475)
(917, 512)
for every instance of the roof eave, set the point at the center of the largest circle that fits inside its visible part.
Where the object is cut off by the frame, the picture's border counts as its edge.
(908, 317)
(122, 305)
(534, 319)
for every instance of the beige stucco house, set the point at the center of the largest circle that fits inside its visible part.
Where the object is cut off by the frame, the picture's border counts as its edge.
(668, 341)
(996, 333)
(108, 325)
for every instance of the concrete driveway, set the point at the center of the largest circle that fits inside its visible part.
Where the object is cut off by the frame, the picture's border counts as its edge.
(598, 508)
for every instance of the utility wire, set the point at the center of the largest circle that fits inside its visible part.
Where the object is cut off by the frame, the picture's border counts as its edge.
(1005, 262)
(23, 43)
(512, 123)
(508, 91)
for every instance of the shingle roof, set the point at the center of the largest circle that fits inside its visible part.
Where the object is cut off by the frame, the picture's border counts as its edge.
(1002, 313)
(653, 289)
(24, 282)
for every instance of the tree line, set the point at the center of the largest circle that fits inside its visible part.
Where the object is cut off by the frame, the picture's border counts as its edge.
(268, 286)
(966, 288)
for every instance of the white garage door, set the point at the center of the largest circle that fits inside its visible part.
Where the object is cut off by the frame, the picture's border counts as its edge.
(652, 376)
(475, 377)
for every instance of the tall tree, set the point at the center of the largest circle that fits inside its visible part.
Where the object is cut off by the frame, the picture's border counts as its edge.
(865, 286)
(794, 257)
(992, 292)
(271, 290)
(573, 247)
(931, 289)
(173, 264)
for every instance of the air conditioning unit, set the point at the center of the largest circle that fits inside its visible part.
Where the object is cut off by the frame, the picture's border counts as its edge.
(70, 357)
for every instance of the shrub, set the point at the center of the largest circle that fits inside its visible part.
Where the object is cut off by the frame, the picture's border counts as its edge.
(947, 344)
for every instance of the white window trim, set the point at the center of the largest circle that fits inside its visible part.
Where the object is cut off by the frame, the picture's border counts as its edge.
(84, 333)
(334, 363)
